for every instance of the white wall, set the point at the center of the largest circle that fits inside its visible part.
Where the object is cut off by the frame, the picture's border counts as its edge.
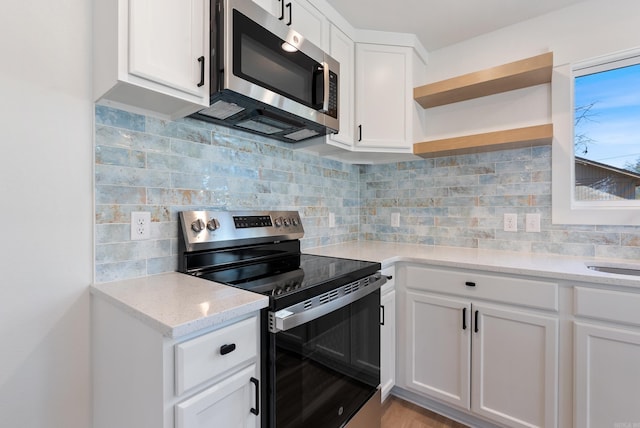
(579, 32)
(46, 223)
(584, 30)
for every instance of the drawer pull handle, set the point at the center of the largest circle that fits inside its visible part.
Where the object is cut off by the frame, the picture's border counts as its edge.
(201, 61)
(382, 314)
(256, 410)
(470, 284)
(464, 318)
(476, 329)
(225, 349)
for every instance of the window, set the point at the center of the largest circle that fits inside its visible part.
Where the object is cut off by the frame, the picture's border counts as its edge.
(596, 152)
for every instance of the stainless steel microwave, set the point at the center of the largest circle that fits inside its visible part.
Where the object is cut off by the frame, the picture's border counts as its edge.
(267, 78)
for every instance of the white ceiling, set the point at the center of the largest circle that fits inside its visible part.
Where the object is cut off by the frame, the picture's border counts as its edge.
(439, 23)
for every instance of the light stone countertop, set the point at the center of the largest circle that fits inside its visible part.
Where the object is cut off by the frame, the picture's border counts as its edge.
(177, 304)
(559, 267)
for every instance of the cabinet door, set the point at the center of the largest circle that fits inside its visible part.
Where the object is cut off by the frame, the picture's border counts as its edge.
(384, 96)
(606, 376)
(302, 17)
(438, 361)
(515, 367)
(388, 343)
(228, 403)
(343, 51)
(166, 40)
(274, 7)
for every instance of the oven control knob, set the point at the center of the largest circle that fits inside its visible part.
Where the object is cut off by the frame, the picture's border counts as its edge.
(197, 226)
(213, 224)
(278, 222)
(294, 221)
(287, 222)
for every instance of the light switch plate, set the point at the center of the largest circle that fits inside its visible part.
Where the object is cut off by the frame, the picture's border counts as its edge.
(395, 219)
(532, 223)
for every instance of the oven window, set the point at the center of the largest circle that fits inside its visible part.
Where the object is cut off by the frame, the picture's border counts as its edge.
(326, 369)
(259, 58)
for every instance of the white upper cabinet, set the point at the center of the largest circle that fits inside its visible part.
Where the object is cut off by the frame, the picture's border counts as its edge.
(383, 97)
(167, 43)
(152, 55)
(302, 17)
(385, 112)
(343, 51)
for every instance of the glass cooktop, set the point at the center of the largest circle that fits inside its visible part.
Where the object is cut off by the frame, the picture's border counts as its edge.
(294, 278)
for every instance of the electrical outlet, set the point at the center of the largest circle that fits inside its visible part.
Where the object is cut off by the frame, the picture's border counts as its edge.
(395, 219)
(532, 223)
(511, 222)
(332, 220)
(140, 225)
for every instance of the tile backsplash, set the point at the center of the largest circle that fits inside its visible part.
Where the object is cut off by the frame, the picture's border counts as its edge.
(147, 164)
(461, 201)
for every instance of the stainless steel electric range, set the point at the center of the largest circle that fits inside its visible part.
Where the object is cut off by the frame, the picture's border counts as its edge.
(321, 332)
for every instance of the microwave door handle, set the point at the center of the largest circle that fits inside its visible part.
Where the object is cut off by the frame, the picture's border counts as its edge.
(325, 98)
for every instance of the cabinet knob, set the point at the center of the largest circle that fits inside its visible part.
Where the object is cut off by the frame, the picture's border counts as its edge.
(225, 349)
(470, 284)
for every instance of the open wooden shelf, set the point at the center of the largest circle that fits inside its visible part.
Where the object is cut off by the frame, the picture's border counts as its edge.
(507, 77)
(539, 135)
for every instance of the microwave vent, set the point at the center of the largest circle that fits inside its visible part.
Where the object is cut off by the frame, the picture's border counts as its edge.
(302, 134)
(222, 110)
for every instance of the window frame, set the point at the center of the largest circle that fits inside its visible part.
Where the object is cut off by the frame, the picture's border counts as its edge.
(565, 209)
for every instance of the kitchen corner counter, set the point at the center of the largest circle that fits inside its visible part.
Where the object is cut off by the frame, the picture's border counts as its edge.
(558, 267)
(176, 304)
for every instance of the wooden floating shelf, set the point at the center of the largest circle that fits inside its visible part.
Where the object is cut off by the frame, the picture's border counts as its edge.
(507, 77)
(539, 135)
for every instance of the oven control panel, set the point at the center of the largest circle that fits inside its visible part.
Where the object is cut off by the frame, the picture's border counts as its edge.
(243, 222)
(215, 229)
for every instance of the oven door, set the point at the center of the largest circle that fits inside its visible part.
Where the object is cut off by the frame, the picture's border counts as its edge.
(325, 370)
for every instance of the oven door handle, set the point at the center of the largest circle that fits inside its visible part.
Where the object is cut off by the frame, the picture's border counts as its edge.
(296, 315)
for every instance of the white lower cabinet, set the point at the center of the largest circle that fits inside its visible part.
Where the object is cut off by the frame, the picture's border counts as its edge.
(141, 378)
(607, 359)
(514, 369)
(388, 335)
(438, 360)
(224, 404)
(490, 359)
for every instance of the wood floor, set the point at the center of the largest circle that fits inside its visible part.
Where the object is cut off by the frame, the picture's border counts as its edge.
(397, 413)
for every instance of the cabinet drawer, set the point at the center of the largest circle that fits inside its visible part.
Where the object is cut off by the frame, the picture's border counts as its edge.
(505, 289)
(608, 305)
(225, 404)
(212, 354)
